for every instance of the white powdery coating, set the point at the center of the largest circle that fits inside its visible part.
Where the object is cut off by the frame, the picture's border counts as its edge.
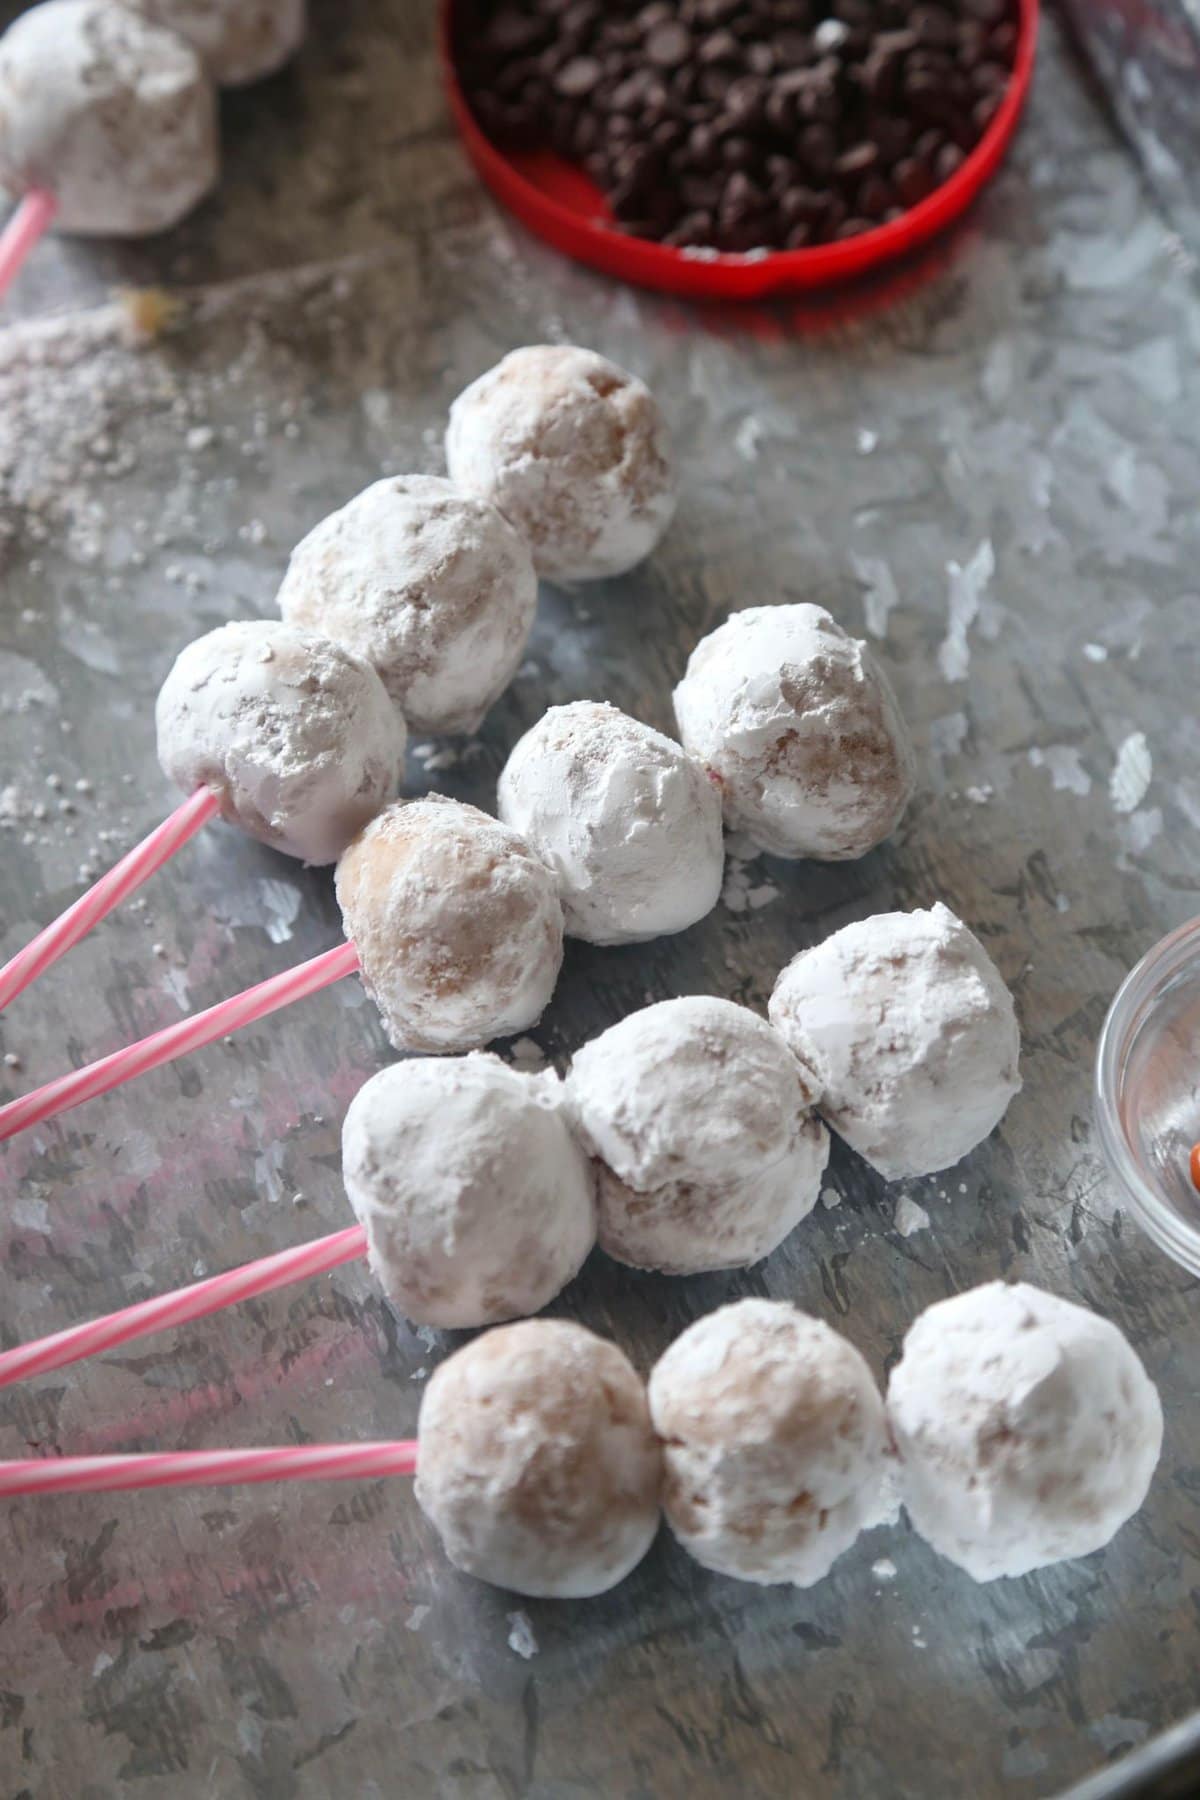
(296, 735)
(774, 1443)
(113, 115)
(1027, 1428)
(430, 585)
(237, 40)
(538, 1463)
(574, 451)
(457, 925)
(477, 1202)
(910, 1036)
(798, 723)
(629, 823)
(699, 1118)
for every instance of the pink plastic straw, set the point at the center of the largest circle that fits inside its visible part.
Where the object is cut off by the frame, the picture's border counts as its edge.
(206, 1468)
(181, 1306)
(27, 226)
(111, 889)
(176, 1040)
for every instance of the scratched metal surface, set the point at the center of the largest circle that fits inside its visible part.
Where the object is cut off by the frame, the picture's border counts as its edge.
(1030, 399)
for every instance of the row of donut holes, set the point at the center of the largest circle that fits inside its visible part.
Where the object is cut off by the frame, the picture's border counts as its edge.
(684, 1138)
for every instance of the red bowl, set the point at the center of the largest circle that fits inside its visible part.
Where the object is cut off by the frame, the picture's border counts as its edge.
(560, 204)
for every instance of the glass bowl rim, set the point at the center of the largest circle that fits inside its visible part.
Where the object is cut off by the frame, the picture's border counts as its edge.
(1132, 1004)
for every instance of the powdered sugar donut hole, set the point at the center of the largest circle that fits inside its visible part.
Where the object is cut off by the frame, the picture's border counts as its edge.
(429, 584)
(297, 736)
(574, 451)
(457, 924)
(1027, 1428)
(630, 824)
(775, 1444)
(799, 725)
(478, 1203)
(699, 1118)
(112, 114)
(237, 40)
(538, 1465)
(909, 1035)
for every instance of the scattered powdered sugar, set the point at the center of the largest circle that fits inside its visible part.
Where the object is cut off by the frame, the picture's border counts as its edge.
(909, 1217)
(1140, 829)
(737, 893)
(1062, 764)
(1131, 773)
(881, 596)
(948, 734)
(417, 1617)
(747, 438)
(979, 796)
(1095, 653)
(967, 587)
(527, 1056)
(434, 757)
(884, 1569)
(521, 1636)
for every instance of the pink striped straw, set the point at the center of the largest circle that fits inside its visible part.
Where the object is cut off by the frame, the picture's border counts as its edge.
(181, 1306)
(27, 226)
(122, 880)
(206, 1468)
(177, 1040)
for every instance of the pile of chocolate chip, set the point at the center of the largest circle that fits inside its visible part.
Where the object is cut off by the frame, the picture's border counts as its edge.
(742, 124)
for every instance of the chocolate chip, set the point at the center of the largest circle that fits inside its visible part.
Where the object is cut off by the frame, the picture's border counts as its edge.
(818, 149)
(874, 197)
(780, 112)
(949, 160)
(860, 159)
(985, 110)
(578, 77)
(668, 45)
(718, 47)
(989, 78)
(511, 32)
(801, 203)
(932, 26)
(738, 153)
(745, 100)
(914, 180)
(693, 228)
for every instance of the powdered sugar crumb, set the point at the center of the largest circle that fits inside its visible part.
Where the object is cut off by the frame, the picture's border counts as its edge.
(908, 1217)
(520, 1635)
(884, 1569)
(1062, 764)
(1131, 773)
(967, 587)
(881, 595)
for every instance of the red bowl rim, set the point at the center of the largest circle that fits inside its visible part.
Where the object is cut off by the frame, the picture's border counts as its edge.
(722, 274)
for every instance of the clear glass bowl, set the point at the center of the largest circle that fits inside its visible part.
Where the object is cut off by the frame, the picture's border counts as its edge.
(1148, 1091)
